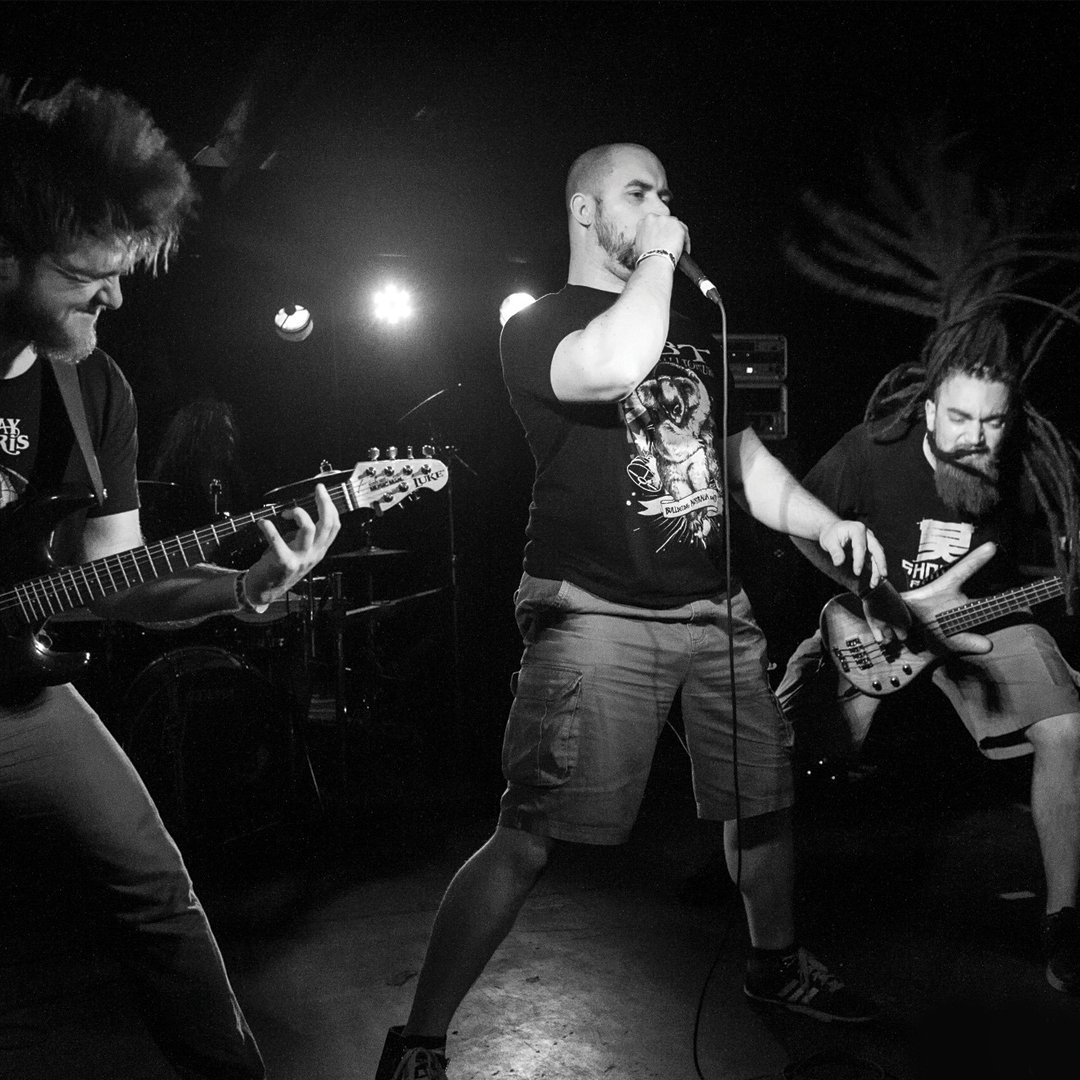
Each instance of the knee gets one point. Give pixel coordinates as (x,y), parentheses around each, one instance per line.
(1058,736)
(150,883)
(526,855)
(763,829)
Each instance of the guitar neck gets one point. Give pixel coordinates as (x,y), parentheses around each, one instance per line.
(976,612)
(73,587)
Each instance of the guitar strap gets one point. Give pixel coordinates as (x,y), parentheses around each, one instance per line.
(67,378)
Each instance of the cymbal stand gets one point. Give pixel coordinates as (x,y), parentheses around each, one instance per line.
(455,640)
(450,454)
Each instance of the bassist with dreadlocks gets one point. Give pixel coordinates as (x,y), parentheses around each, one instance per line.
(934,470)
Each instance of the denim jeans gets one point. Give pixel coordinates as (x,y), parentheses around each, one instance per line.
(62,773)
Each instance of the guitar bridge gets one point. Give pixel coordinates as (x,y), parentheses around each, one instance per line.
(858,655)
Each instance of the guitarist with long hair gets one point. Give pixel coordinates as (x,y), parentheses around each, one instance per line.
(89,190)
(934,471)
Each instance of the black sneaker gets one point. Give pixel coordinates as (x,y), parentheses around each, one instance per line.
(401,1062)
(1061,946)
(421,1064)
(802,984)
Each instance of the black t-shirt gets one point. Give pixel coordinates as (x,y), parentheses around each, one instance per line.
(627,500)
(890,487)
(37,444)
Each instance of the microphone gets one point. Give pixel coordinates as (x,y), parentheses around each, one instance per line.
(697,276)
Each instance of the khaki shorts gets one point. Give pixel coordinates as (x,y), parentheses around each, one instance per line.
(596,684)
(998,695)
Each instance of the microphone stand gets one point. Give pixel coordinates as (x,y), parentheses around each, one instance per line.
(450,455)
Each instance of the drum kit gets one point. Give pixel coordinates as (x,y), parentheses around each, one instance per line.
(217,717)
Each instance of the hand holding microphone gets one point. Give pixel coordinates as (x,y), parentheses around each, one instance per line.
(661,235)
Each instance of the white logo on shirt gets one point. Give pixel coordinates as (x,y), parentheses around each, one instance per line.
(11,442)
(940,543)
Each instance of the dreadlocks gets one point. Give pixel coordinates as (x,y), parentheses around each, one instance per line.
(84,163)
(941,246)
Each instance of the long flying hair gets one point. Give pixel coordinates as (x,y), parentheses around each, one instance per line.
(88,162)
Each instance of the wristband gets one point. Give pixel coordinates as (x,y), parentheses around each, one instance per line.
(657,251)
(241,596)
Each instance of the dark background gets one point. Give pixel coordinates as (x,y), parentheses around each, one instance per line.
(427,144)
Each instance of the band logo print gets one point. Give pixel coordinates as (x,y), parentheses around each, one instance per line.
(669,421)
(940,544)
(12,442)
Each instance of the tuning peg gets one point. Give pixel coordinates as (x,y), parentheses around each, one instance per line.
(325,467)
(428,451)
(391,453)
(409,452)
(373,453)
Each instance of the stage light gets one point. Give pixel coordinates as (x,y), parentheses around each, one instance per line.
(392,305)
(294,323)
(513,304)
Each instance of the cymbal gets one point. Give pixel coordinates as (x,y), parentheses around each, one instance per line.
(299,488)
(380,605)
(366,553)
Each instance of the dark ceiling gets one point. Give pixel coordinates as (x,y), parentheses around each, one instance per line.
(431,141)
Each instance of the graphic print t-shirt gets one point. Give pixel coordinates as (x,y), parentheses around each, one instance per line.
(627,500)
(890,487)
(37,444)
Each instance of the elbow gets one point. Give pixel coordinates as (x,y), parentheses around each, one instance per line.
(592,387)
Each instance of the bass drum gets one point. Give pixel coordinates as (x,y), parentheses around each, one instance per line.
(215,743)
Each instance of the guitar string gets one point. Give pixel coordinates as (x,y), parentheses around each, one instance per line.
(968,615)
(50,593)
(954,620)
(46,590)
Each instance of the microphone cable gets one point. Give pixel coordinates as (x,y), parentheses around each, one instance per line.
(710,292)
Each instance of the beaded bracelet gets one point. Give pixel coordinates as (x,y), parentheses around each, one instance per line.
(657,251)
(242,601)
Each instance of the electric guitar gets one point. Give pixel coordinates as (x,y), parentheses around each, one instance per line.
(943,618)
(26,659)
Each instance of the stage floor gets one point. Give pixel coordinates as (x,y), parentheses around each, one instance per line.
(920,884)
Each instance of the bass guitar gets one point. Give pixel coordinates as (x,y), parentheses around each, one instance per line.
(26,659)
(943,619)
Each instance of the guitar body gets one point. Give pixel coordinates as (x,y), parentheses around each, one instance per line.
(942,621)
(26,531)
(873,667)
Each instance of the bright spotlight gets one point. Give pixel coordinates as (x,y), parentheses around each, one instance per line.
(392,305)
(294,323)
(513,304)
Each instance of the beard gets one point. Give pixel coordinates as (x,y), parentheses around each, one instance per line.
(25,319)
(966,480)
(617,247)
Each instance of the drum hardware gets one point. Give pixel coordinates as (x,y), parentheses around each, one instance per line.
(218,746)
(382,605)
(326,475)
(366,553)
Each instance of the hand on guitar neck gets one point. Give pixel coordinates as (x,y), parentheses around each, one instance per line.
(943,593)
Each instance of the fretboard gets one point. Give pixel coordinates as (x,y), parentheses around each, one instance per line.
(75,586)
(976,612)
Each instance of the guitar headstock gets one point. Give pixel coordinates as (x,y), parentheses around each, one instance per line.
(381,484)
